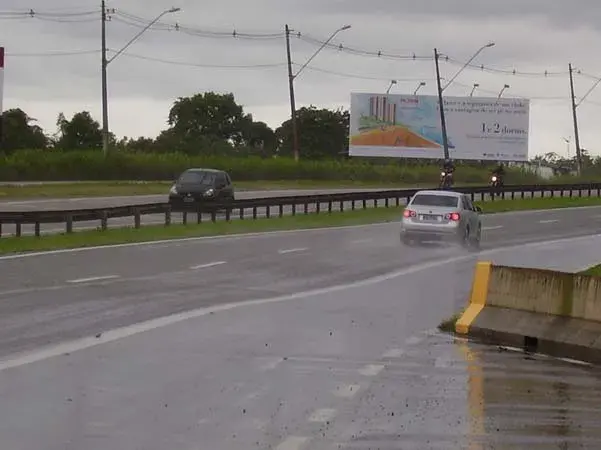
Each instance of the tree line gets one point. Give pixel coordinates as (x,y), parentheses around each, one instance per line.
(204,124)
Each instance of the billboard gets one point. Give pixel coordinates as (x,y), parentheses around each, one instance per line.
(408,126)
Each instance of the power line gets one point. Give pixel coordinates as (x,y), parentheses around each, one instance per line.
(54,53)
(359,77)
(214,66)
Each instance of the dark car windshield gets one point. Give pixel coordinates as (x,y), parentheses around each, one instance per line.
(197,178)
(435,200)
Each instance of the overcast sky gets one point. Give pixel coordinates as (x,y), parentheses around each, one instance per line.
(531,36)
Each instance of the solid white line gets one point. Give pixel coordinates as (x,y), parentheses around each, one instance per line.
(292,250)
(293,443)
(371,370)
(322,415)
(99,278)
(347,391)
(393,353)
(548,221)
(211,264)
(132,330)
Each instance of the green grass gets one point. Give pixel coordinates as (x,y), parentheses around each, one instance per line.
(335,219)
(594,271)
(130,188)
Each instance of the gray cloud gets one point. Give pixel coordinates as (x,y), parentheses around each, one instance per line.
(537,35)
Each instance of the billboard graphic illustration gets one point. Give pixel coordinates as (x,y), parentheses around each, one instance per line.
(408,126)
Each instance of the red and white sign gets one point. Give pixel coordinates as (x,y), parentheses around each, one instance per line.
(1,77)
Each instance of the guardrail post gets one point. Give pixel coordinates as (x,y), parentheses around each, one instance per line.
(213,215)
(137,218)
(318,207)
(198,215)
(294,209)
(69,223)
(579,192)
(185,218)
(168,216)
(281,210)
(254,213)
(375,202)
(0,229)
(306,208)
(268,211)
(37,229)
(18,229)
(386,202)
(398,200)
(241,213)
(228,214)
(341,206)
(104,221)
(353,204)
(364,204)
(329,206)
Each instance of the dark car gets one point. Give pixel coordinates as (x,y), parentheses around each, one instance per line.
(201,186)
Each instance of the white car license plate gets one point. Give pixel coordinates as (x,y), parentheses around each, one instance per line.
(188,199)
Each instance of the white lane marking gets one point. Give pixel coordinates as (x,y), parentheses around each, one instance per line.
(292,250)
(371,370)
(211,264)
(293,443)
(548,221)
(271,363)
(239,236)
(99,278)
(393,353)
(362,241)
(161,322)
(414,340)
(497,227)
(322,415)
(346,391)
(442,361)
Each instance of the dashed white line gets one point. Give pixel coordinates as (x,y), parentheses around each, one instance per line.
(271,363)
(322,415)
(548,221)
(361,241)
(211,264)
(393,353)
(495,227)
(371,370)
(347,391)
(414,340)
(99,278)
(292,443)
(292,250)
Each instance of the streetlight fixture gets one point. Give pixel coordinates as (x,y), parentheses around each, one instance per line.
(422,83)
(503,90)
(392,83)
(443,124)
(106,61)
(292,77)
(476,85)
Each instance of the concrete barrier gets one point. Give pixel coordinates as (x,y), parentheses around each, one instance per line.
(546,311)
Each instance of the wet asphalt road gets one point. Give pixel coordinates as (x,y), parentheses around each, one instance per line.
(350,368)
(157,219)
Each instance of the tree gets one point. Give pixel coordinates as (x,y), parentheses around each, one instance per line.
(259,138)
(322,133)
(18,133)
(82,132)
(204,119)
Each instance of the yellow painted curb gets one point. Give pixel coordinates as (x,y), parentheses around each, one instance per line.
(477,297)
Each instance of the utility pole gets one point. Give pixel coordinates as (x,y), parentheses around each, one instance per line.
(292,100)
(575,118)
(105,108)
(443,123)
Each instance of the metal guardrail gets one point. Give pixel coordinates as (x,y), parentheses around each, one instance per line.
(341,200)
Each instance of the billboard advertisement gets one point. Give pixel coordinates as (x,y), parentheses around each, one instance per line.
(408,126)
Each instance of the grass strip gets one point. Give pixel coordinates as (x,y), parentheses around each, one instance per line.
(594,271)
(148,233)
(130,188)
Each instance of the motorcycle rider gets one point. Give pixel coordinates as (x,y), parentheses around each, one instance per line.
(448,168)
(499,172)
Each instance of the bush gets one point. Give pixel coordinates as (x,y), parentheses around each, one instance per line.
(52,165)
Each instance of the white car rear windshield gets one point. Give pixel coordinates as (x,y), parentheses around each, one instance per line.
(446,201)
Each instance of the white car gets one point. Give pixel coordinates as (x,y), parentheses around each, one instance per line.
(441,215)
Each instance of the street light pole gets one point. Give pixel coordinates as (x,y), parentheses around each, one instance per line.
(503,90)
(106,62)
(392,83)
(443,124)
(476,85)
(292,77)
(422,83)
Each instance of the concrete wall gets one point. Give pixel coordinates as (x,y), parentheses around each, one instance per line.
(545,291)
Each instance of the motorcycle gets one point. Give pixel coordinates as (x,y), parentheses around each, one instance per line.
(446,179)
(496,181)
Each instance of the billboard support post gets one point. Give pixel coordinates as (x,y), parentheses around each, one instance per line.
(443,122)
